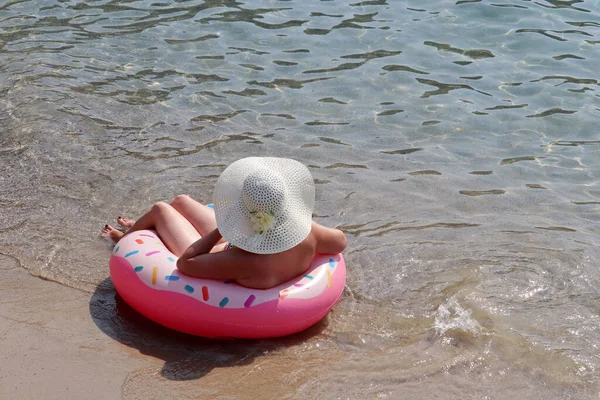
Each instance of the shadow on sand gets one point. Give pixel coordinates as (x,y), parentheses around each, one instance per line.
(186,357)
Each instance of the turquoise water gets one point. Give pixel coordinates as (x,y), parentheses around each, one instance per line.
(456,144)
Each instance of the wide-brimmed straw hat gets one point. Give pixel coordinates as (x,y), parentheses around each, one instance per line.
(264,205)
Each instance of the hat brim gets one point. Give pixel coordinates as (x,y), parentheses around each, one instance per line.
(290,226)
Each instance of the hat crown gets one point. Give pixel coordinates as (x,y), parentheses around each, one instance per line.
(264,190)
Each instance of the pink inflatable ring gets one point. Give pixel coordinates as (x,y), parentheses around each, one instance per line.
(144,273)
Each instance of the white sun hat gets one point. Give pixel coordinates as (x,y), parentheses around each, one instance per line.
(264,205)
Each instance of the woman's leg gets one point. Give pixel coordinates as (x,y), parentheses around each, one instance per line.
(173,228)
(199,215)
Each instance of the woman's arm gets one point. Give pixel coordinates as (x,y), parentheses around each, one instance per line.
(202,246)
(197,260)
(329,240)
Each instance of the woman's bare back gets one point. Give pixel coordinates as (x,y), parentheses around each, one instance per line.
(274,269)
(263,271)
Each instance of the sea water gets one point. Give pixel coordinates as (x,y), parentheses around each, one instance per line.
(455,143)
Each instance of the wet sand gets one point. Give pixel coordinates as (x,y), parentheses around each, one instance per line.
(51,348)
(65,343)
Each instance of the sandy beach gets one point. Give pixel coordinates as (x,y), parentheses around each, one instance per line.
(51,348)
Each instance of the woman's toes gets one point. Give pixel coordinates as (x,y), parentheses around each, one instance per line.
(106,230)
(125,222)
(111,233)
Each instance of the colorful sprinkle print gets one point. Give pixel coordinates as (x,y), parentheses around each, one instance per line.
(179,282)
(249,301)
(131,253)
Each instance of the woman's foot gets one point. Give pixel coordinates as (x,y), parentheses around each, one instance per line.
(111,233)
(125,222)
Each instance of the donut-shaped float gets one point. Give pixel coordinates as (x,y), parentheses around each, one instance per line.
(145,275)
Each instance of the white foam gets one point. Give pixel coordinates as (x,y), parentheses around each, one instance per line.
(451,316)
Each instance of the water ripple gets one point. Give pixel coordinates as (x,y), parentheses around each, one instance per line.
(445,88)
(551,112)
(474,54)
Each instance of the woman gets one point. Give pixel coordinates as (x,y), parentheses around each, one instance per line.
(260,233)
